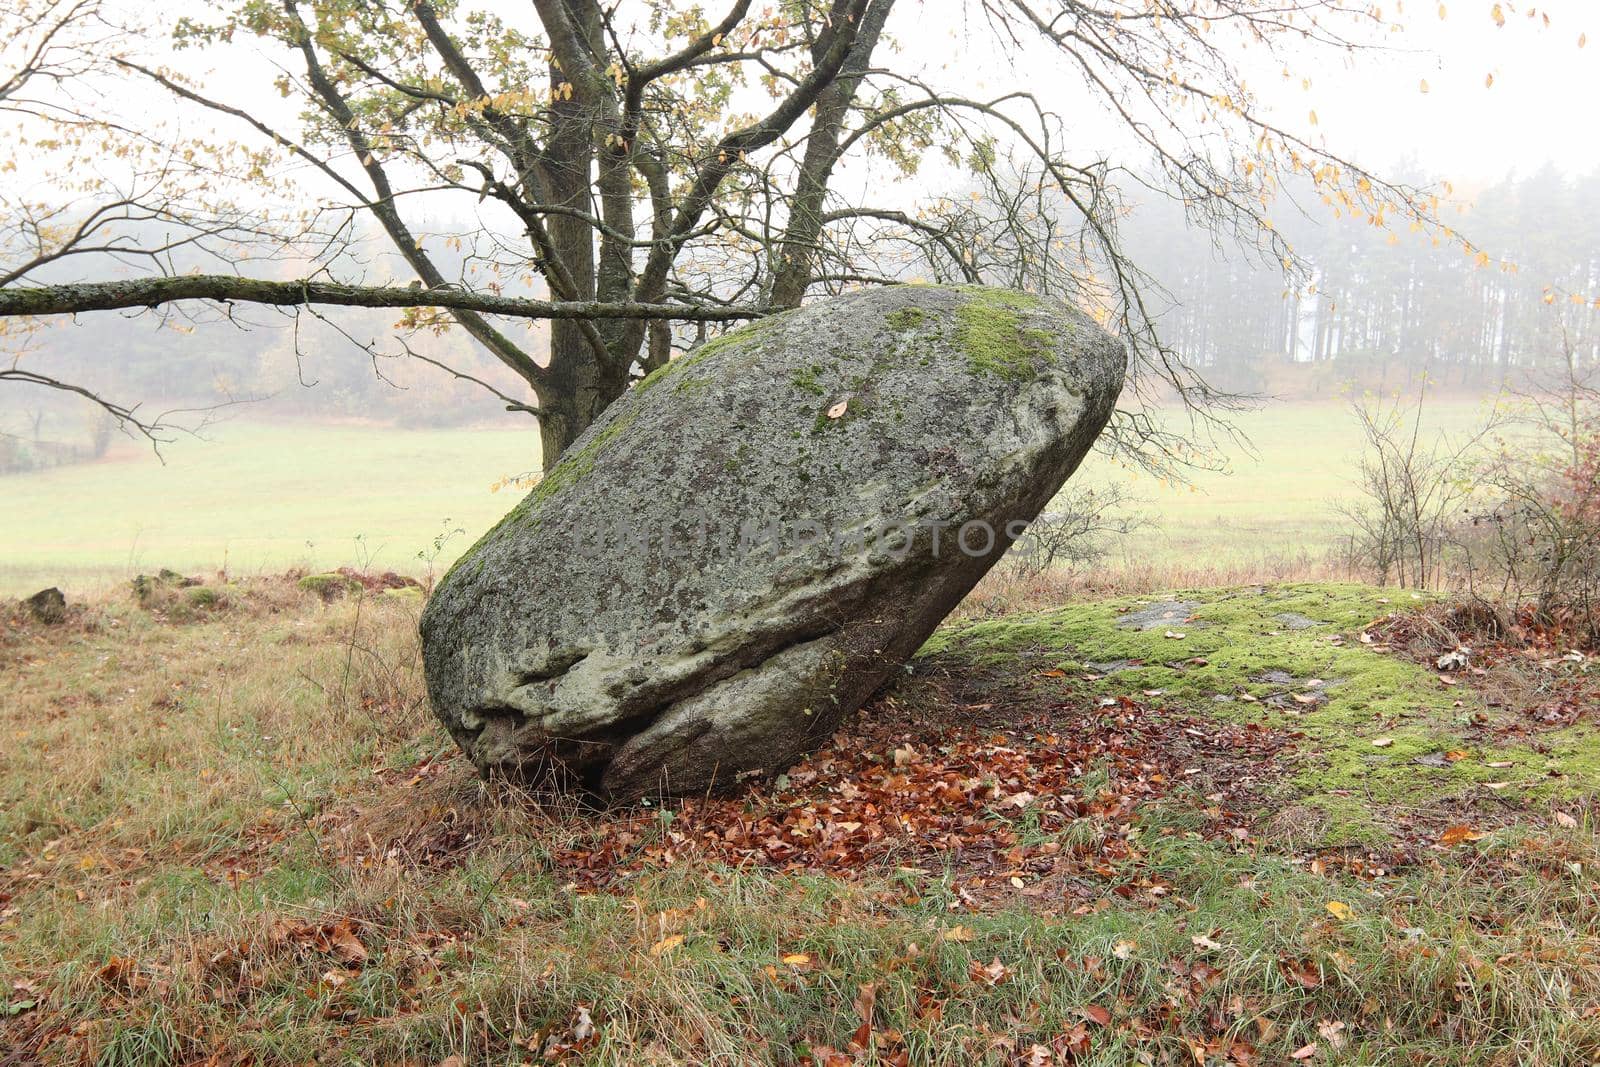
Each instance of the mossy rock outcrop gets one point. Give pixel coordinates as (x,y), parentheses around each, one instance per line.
(739,552)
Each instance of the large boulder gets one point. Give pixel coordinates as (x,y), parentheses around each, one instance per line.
(754,539)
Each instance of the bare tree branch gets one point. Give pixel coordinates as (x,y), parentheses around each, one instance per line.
(78,297)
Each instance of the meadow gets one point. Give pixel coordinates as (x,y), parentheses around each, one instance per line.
(1257,824)
(231,833)
(261,497)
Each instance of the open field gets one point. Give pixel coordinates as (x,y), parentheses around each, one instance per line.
(263,497)
(230,833)
(1271,504)
(260,497)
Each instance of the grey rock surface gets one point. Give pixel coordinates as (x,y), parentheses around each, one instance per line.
(1161,615)
(754,539)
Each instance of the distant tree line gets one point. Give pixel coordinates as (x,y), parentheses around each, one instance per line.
(1382,305)
(1377,307)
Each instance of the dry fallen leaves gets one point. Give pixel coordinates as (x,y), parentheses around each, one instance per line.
(1456,835)
(866,1000)
(905,790)
(988,974)
(121,972)
(561,1044)
(1303,973)
(344,945)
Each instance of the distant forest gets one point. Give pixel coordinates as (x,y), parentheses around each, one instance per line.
(1384,308)
(1379,310)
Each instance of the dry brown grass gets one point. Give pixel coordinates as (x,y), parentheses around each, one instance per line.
(237,837)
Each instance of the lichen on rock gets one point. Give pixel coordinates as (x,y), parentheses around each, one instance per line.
(713,578)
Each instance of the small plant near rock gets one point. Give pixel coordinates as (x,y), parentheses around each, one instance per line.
(204,597)
(174,597)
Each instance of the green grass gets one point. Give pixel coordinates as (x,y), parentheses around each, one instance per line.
(1271,499)
(189,809)
(259,497)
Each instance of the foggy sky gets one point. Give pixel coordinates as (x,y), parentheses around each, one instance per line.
(1540,108)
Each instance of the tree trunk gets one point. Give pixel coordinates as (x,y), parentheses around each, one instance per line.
(568,162)
(581,386)
(798,253)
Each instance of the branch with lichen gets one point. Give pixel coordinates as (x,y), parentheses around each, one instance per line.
(71,298)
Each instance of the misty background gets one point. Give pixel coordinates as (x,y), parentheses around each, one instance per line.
(1489,116)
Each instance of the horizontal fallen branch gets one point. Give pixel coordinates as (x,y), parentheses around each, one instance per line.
(72,298)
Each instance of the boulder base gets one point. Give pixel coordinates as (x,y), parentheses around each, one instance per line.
(754,539)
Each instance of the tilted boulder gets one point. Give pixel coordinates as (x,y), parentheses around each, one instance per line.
(754,539)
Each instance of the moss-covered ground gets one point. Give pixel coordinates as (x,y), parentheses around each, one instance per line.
(1382,743)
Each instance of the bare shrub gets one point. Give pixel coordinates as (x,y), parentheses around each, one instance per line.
(1509,514)
(102,428)
(1533,538)
(1413,486)
(1080,528)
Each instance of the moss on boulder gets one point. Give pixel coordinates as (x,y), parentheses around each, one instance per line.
(995,336)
